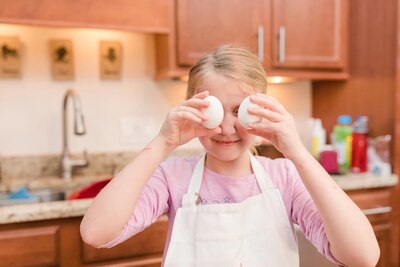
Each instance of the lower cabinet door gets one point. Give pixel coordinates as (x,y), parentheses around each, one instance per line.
(147,244)
(37,246)
(382,233)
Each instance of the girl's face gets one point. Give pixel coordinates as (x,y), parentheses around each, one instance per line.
(234,141)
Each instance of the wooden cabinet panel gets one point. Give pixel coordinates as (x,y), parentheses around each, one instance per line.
(378,205)
(310,34)
(149,242)
(316,35)
(383,235)
(204,25)
(153,262)
(37,246)
(141,15)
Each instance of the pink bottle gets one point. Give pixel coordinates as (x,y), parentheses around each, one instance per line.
(360,145)
(328,159)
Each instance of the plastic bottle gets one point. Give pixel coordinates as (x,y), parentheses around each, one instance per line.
(342,140)
(360,145)
(318,138)
(328,159)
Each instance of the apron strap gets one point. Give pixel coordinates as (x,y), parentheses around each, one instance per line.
(262,177)
(192,197)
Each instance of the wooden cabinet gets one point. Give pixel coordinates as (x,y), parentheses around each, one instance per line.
(204,25)
(314,45)
(310,34)
(373,88)
(30,247)
(138,15)
(58,243)
(380,208)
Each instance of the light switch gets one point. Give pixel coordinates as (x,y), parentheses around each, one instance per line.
(136,131)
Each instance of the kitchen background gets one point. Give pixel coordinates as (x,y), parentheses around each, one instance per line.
(341,57)
(119,114)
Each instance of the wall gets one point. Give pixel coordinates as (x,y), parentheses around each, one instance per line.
(120,115)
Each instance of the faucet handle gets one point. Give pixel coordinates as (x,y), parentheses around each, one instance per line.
(82,162)
(85,158)
(85,155)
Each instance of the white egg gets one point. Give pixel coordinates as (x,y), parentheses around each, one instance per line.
(214,113)
(243,115)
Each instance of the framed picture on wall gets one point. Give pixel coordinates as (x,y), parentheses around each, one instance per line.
(110,60)
(10,57)
(62,59)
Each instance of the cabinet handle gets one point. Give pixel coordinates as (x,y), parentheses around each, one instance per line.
(260,39)
(374,211)
(282,44)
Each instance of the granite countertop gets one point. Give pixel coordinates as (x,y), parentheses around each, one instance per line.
(364,181)
(76,208)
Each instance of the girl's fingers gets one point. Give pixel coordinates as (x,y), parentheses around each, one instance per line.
(192,110)
(265,126)
(188,116)
(266,114)
(268,102)
(196,103)
(201,95)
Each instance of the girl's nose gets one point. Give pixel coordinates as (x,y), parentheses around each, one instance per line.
(228,124)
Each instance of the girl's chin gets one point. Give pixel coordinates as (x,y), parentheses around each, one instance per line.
(227,155)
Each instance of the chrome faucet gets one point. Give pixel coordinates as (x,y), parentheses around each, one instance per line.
(79,129)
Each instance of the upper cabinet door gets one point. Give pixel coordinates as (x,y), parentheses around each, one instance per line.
(310,34)
(204,25)
(138,15)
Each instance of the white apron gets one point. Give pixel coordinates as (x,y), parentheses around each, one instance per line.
(253,233)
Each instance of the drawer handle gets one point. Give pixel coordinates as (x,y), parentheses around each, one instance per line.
(282,44)
(374,211)
(260,39)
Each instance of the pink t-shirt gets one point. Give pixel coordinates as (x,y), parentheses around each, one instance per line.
(164,191)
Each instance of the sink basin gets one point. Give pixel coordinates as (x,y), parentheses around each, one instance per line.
(45,195)
(47,190)
(39,195)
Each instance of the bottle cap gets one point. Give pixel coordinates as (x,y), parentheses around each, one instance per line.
(361,124)
(344,119)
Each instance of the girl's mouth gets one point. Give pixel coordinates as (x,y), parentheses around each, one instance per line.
(226,142)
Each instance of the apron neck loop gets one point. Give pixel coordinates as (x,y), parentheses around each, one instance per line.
(192,197)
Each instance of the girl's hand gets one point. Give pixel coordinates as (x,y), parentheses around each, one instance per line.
(183,123)
(277,125)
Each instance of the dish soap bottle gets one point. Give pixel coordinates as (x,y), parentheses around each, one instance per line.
(342,140)
(318,138)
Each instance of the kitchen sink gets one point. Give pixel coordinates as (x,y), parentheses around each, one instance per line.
(37,195)
(47,190)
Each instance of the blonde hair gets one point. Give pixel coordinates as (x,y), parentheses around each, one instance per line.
(232,62)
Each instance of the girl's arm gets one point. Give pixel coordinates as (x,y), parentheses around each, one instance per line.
(113,206)
(351,237)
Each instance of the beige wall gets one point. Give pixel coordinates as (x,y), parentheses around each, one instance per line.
(120,115)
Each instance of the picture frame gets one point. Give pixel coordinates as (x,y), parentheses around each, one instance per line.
(110,60)
(62,59)
(10,57)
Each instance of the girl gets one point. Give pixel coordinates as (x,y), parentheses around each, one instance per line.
(226,207)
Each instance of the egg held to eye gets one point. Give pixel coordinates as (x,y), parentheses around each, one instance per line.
(214,113)
(243,115)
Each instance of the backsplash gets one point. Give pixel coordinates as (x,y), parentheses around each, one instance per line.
(120,115)
(19,170)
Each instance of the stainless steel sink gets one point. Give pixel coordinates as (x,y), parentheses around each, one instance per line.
(45,195)
(38,195)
